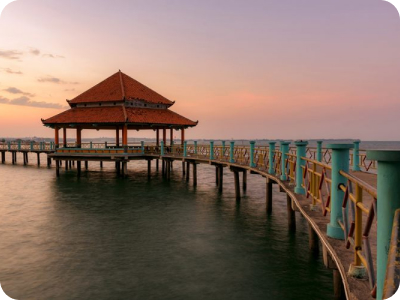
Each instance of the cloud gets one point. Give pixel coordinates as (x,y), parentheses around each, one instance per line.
(69,90)
(53,55)
(10,54)
(25,101)
(4,100)
(55,80)
(14,90)
(9,71)
(34,51)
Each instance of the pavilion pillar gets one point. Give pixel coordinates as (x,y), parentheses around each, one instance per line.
(65,137)
(164,131)
(171,137)
(157,146)
(125,137)
(117,137)
(78,137)
(182,144)
(56,137)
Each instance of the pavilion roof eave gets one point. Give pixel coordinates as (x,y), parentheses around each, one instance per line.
(110,125)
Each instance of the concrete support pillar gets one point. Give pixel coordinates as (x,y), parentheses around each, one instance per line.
(388,188)
(284,151)
(252,144)
(237,184)
(319,151)
(101,164)
(38,159)
(271,153)
(194,167)
(291,214)
(48,162)
(220,177)
(338,287)
(356,158)
(340,162)
(211,150)
(300,152)
(78,167)
(187,171)
(86,165)
(268,195)
(149,168)
(244,180)
(231,152)
(57,168)
(3,157)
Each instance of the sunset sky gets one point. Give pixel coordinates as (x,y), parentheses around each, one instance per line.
(245,69)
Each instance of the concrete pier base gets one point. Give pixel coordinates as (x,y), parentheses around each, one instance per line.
(268,196)
(291,214)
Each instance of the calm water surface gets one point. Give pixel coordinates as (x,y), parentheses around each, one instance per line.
(103,237)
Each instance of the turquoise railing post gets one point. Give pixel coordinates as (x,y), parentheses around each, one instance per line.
(41,146)
(284,151)
(356,157)
(340,162)
(9,145)
(184,149)
(105,145)
(211,150)
(195,147)
(231,153)
(142,146)
(252,164)
(300,152)
(319,151)
(388,190)
(31,146)
(19,145)
(91,145)
(162,148)
(223,150)
(271,153)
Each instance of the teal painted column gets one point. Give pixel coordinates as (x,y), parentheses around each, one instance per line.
(91,145)
(105,145)
(271,169)
(162,148)
(223,149)
(195,147)
(340,162)
(142,146)
(300,152)
(388,188)
(211,150)
(9,145)
(31,146)
(231,150)
(284,151)
(319,151)
(19,145)
(356,158)
(252,164)
(184,149)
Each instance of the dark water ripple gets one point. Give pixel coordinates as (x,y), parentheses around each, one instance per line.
(103,237)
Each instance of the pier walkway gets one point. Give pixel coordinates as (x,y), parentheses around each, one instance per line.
(338,188)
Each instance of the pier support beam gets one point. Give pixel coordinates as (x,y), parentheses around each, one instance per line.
(57,168)
(78,167)
(48,162)
(187,171)
(38,159)
(291,214)
(3,157)
(237,183)
(148,168)
(194,167)
(101,164)
(86,165)
(338,288)
(220,177)
(244,180)
(268,196)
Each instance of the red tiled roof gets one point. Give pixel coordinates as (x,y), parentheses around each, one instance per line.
(116,114)
(119,87)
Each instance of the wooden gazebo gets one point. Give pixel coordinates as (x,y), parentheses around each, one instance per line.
(119,103)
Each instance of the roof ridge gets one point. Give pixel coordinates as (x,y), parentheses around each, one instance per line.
(122,85)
